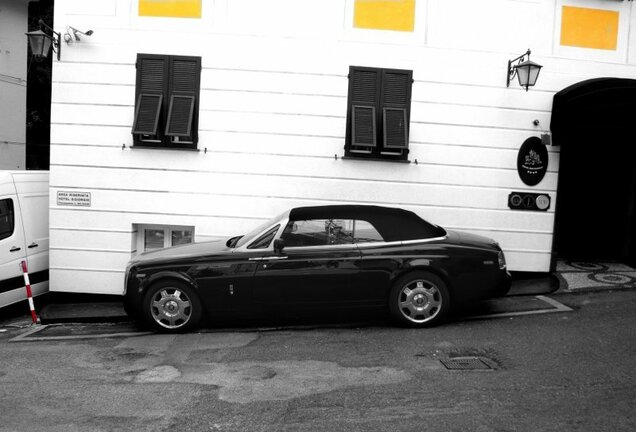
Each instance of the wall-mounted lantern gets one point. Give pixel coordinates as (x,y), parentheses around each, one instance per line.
(526,71)
(40,42)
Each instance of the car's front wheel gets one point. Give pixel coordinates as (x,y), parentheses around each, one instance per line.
(172,307)
(419,299)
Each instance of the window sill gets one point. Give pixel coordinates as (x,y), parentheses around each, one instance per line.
(164,148)
(403,161)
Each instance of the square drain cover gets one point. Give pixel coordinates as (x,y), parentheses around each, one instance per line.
(465,363)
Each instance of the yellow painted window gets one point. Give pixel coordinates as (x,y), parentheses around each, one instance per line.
(589,28)
(396,15)
(170,8)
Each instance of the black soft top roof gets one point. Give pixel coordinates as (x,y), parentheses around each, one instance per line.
(393,224)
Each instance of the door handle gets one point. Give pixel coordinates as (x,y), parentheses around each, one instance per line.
(14,249)
(273,258)
(33,245)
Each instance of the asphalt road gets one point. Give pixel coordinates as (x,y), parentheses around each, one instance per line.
(569,371)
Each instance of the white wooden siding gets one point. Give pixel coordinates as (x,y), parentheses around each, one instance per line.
(272,127)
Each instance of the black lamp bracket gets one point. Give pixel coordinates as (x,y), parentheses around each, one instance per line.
(512,70)
(55,38)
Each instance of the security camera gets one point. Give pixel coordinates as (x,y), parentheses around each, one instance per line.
(68,38)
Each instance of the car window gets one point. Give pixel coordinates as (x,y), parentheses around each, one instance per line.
(318,232)
(6,218)
(364,232)
(263,241)
(249,236)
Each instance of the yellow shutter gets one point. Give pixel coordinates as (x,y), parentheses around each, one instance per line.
(396,15)
(170,8)
(589,28)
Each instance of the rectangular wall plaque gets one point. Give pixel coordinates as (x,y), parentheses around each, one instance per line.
(76,199)
(528,201)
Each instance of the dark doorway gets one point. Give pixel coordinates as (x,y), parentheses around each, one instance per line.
(38,118)
(594,122)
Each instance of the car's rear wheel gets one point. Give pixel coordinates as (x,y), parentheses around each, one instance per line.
(419,299)
(171,306)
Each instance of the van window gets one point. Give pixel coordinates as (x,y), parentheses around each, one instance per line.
(6,218)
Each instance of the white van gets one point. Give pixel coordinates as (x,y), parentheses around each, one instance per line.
(24,233)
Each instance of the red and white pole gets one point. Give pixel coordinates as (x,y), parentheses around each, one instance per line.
(27,284)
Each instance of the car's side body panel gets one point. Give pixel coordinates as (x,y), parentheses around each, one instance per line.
(380,265)
(302,278)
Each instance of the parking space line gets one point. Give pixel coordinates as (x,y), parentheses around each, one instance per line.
(27,336)
(557,307)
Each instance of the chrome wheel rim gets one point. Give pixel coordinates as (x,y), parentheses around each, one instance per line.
(420,301)
(171,308)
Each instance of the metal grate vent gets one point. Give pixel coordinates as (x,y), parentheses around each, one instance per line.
(465,363)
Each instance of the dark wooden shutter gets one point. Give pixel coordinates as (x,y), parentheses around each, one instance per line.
(147,114)
(184,94)
(150,89)
(395,128)
(396,105)
(363,126)
(180,116)
(364,96)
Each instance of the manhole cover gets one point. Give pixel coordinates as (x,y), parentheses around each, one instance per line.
(465,363)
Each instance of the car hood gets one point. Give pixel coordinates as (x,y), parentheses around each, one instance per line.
(474,240)
(191,250)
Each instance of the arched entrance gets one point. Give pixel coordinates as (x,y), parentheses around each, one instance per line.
(594,122)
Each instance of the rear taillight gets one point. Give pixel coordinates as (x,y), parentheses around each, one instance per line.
(502,260)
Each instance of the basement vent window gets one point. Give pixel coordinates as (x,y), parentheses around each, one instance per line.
(153,237)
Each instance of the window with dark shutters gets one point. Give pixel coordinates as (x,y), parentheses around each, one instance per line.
(379,105)
(167,95)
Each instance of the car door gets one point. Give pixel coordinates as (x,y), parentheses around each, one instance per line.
(12,251)
(226,281)
(35,219)
(316,268)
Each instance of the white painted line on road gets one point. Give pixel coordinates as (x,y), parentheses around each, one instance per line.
(34,329)
(26,337)
(558,307)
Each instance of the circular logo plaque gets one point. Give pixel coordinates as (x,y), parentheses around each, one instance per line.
(542,202)
(532,161)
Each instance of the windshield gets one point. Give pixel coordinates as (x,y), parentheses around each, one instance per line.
(256,231)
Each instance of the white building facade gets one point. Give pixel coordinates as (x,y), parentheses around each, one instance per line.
(179,121)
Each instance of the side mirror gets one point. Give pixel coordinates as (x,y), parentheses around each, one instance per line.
(278,246)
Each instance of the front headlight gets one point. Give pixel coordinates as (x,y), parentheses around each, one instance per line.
(502,260)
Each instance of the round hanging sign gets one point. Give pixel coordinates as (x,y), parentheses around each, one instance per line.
(532,161)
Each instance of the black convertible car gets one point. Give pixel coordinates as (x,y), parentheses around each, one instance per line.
(318,258)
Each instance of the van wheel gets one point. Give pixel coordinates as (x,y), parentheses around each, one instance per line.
(419,299)
(172,307)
